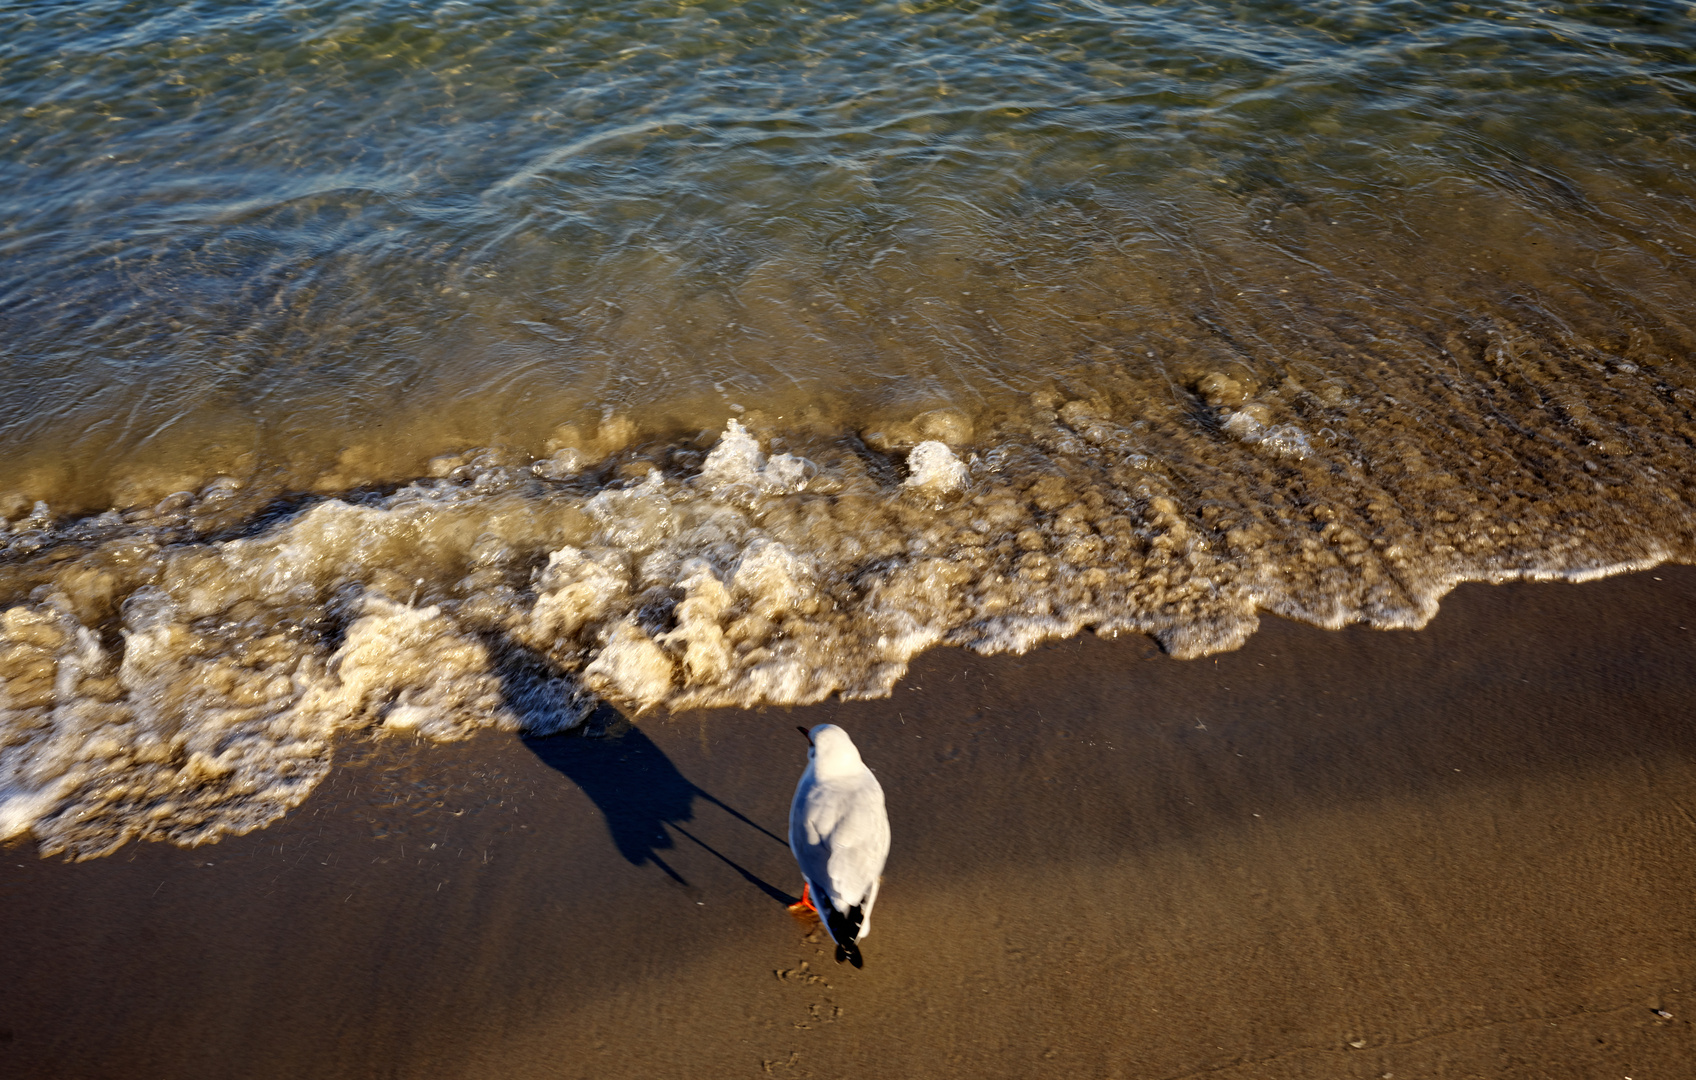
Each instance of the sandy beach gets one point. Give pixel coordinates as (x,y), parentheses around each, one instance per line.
(450,448)
(1467,851)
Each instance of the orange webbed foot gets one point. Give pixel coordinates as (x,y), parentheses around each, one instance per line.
(803,908)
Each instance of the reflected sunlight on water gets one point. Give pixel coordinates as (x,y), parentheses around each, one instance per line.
(447,365)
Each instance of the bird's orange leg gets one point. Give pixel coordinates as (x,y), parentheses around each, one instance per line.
(804,908)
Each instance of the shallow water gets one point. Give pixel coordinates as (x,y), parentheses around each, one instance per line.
(439,366)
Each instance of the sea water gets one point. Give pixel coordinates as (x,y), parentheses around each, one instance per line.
(424,367)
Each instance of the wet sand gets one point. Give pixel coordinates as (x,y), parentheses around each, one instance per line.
(1467,851)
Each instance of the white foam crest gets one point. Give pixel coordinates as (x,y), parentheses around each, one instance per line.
(577,589)
(193,734)
(1280,440)
(631,667)
(184,738)
(564,462)
(735,459)
(490,596)
(416,671)
(700,631)
(738,460)
(43,728)
(771,579)
(933,467)
(635,519)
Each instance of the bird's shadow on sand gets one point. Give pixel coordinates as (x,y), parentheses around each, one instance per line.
(642,795)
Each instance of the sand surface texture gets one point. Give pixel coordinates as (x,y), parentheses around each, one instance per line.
(1467,851)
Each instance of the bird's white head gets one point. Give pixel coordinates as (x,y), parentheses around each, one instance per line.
(833,752)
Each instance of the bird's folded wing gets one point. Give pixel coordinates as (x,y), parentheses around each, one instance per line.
(845,840)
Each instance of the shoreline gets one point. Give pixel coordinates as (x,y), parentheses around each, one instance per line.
(1464,850)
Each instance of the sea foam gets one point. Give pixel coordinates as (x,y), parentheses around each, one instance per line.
(164,683)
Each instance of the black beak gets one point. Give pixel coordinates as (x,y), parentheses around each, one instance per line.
(804,731)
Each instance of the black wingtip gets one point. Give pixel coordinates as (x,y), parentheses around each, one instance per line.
(844,927)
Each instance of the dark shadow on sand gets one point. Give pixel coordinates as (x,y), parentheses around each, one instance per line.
(640,792)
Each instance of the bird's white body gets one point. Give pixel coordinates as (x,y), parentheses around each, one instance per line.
(839,831)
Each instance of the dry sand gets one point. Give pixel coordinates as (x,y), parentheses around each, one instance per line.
(1468,851)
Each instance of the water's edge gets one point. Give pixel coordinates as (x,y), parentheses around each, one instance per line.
(181,671)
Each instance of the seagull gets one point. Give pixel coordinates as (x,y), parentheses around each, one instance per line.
(839,832)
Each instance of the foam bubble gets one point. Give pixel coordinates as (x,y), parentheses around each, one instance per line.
(737,460)
(565,462)
(933,467)
(631,667)
(411,669)
(1282,440)
(700,631)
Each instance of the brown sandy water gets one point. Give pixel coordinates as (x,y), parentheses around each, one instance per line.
(369,368)
(1462,852)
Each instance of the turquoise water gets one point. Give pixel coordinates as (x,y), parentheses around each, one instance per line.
(431,366)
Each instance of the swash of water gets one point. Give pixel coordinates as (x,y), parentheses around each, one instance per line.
(431,366)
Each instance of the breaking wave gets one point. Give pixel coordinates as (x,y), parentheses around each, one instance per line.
(174,675)
(381,368)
